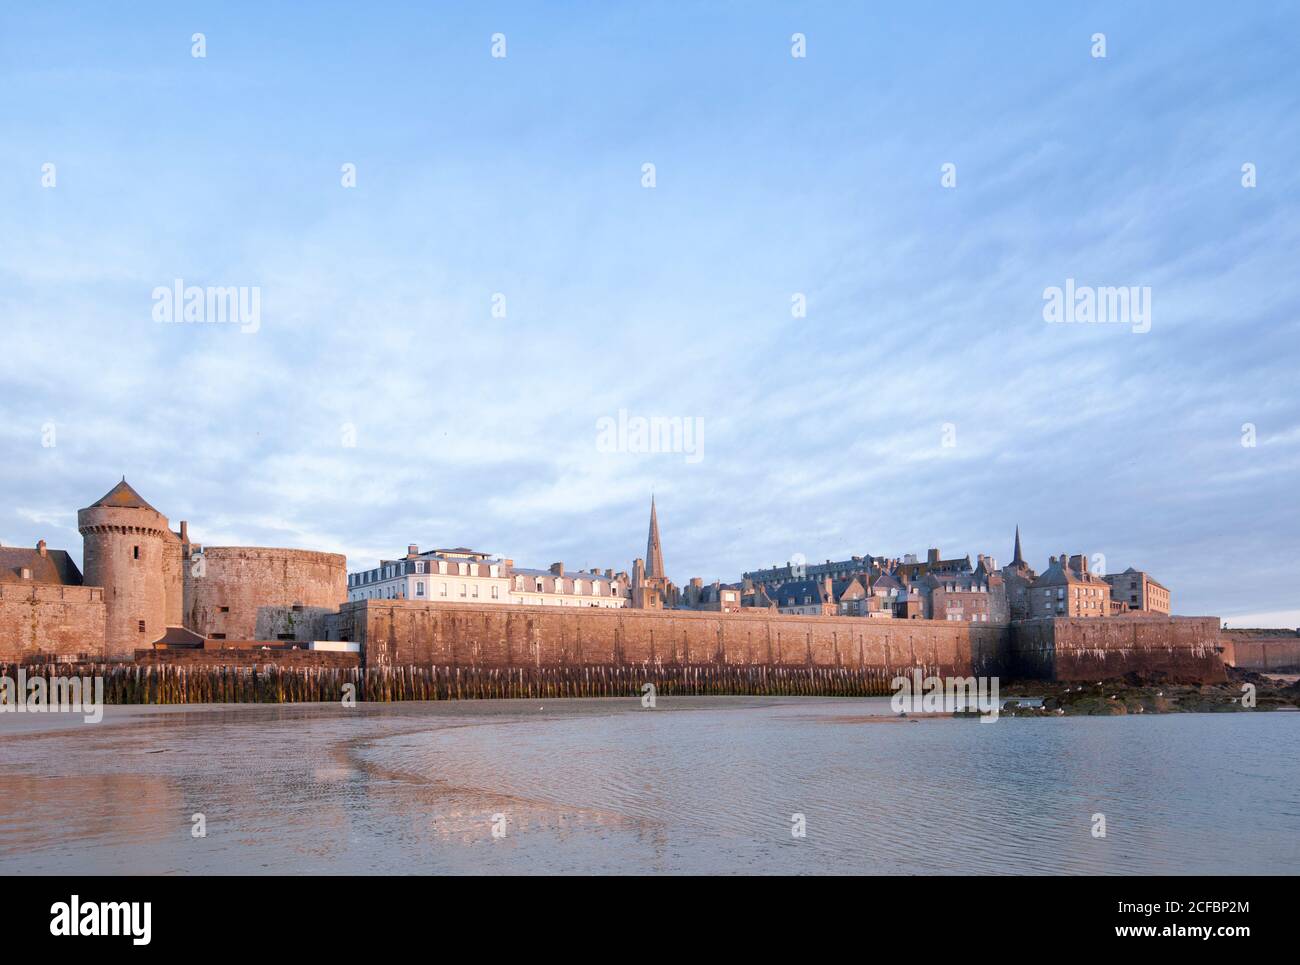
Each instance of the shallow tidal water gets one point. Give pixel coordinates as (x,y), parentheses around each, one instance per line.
(696,785)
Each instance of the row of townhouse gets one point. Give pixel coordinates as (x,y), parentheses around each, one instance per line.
(952,589)
(462,575)
(948,596)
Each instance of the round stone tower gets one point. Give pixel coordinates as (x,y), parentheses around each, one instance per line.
(129,551)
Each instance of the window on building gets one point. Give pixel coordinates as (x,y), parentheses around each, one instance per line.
(494,592)
(462,589)
(419,587)
(137,552)
(444,590)
(419,567)
(141,622)
(475,593)
(217,636)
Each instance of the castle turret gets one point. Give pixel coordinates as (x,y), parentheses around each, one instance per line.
(130,551)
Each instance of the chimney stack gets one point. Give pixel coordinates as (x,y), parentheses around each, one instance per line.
(933,555)
(557,569)
(40,546)
(412,550)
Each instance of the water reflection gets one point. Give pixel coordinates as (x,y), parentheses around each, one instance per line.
(696,785)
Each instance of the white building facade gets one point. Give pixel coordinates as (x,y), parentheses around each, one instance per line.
(463,575)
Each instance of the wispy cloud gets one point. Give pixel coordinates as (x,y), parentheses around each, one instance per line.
(382,402)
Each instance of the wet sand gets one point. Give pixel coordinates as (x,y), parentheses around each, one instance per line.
(695,785)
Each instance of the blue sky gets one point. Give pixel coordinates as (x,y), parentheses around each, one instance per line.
(476,175)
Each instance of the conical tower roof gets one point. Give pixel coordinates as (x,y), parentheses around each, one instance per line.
(654,551)
(122,496)
(1017,560)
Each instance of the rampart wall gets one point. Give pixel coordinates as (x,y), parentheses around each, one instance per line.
(1261,650)
(1092,649)
(260,593)
(399,632)
(50,619)
(405,632)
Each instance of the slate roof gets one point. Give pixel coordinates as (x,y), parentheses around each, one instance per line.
(840,587)
(55,566)
(886,581)
(1060,573)
(793,593)
(568,574)
(122,496)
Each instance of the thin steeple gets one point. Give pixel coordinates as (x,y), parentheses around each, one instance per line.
(654,552)
(1018,560)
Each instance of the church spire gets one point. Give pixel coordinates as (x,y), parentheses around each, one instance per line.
(1018,560)
(654,552)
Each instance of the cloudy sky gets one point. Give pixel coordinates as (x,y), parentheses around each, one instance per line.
(923,400)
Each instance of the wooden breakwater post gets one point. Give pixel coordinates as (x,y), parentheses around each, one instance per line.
(162,683)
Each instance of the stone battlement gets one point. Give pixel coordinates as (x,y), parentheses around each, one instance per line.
(263,593)
(48,618)
(51,592)
(274,553)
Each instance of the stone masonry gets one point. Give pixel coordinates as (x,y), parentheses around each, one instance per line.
(401,632)
(257,593)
